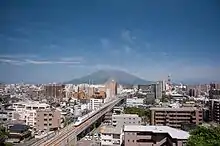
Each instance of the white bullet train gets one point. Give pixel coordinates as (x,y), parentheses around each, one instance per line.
(84,118)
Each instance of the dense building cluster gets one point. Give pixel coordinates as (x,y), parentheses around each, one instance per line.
(160,109)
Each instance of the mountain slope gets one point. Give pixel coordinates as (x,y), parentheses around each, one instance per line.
(102,76)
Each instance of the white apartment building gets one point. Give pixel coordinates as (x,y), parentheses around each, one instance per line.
(125,119)
(111,136)
(96,103)
(134,102)
(27,111)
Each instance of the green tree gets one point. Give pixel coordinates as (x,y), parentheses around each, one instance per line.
(202,136)
(3,134)
(141,112)
(165,98)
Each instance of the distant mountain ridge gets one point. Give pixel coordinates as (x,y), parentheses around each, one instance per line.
(102,76)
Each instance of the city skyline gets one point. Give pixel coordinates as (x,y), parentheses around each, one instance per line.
(54,41)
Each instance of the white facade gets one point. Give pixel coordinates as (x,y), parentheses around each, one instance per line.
(30,118)
(125,119)
(27,111)
(85,106)
(108,93)
(111,136)
(96,103)
(132,102)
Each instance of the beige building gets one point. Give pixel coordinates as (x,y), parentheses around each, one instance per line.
(48,120)
(175,117)
(135,135)
(125,119)
(111,88)
(111,136)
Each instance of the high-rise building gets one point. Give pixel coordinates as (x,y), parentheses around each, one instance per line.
(214,94)
(55,91)
(159,89)
(192,92)
(112,86)
(214,110)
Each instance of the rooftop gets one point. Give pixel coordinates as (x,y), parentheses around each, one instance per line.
(125,115)
(174,133)
(173,109)
(111,130)
(32,103)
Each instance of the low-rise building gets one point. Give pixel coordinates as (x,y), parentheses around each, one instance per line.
(134,102)
(18,133)
(111,136)
(175,117)
(136,135)
(26,111)
(125,119)
(96,103)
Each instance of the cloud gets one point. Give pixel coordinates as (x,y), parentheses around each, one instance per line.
(50,62)
(20,59)
(96,67)
(105,43)
(22,30)
(12,62)
(52,46)
(72,59)
(127,49)
(17,56)
(127,36)
(18,39)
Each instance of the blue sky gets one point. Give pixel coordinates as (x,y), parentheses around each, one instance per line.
(45,41)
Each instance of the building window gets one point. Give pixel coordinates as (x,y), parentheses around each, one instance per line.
(128,140)
(132,140)
(143,140)
(45,114)
(116,136)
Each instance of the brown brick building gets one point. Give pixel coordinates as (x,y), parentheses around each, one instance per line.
(175,117)
(55,91)
(48,120)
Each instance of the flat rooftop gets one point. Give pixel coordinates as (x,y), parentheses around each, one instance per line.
(174,133)
(173,109)
(125,115)
(110,130)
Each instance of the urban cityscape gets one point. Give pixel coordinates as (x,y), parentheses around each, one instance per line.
(95,73)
